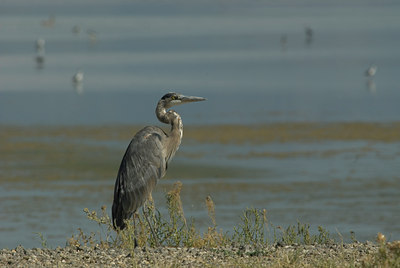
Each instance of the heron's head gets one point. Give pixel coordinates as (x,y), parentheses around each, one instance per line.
(173,99)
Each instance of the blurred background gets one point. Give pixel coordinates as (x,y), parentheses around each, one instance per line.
(302,116)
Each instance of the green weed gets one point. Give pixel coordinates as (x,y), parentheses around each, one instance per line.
(252,229)
(300,234)
(43,240)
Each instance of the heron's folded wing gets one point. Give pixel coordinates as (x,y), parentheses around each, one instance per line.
(141,167)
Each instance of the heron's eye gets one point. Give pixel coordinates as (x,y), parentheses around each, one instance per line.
(173,98)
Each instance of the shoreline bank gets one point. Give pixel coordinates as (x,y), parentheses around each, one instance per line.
(321,255)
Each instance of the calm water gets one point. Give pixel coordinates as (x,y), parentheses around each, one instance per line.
(230,52)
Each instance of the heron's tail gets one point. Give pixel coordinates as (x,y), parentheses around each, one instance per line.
(118,217)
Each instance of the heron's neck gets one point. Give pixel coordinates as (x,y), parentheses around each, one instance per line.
(172,118)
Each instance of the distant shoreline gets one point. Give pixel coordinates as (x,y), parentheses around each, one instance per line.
(226,133)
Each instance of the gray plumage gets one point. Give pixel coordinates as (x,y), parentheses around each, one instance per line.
(146,159)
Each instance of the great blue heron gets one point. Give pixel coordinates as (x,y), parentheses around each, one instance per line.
(146,159)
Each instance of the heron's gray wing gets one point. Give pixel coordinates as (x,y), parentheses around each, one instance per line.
(141,167)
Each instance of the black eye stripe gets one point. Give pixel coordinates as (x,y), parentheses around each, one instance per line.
(166,96)
(169,95)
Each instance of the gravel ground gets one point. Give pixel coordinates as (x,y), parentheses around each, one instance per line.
(242,256)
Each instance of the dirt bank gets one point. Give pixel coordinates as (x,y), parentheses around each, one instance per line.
(356,254)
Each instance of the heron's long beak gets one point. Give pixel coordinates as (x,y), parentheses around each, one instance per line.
(185,99)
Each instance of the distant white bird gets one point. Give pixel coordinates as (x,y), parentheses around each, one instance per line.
(40,43)
(77,81)
(371,71)
(78,77)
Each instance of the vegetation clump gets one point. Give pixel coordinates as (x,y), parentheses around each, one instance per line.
(254,237)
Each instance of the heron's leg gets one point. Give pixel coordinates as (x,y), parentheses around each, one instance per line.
(151,227)
(135,242)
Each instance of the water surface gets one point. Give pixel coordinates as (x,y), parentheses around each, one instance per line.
(49,174)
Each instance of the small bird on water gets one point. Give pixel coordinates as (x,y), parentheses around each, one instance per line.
(40,44)
(371,71)
(77,82)
(78,77)
(146,159)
